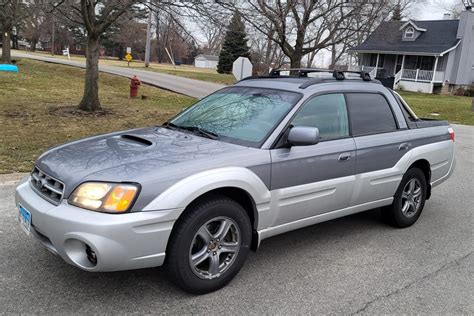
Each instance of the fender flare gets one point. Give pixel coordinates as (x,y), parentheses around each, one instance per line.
(182,193)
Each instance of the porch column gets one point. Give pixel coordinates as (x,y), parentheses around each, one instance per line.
(434,73)
(377,64)
(403,65)
(395,65)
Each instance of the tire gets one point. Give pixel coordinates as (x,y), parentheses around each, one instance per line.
(204,260)
(397,214)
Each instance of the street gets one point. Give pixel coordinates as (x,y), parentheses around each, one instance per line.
(350,265)
(190,87)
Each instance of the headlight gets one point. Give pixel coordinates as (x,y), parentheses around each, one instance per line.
(104,197)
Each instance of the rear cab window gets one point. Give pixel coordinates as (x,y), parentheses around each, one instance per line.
(370,113)
(409,118)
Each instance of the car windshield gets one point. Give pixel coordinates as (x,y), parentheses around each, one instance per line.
(241,115)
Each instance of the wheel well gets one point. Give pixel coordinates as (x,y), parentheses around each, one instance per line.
(244,199)
(424,166)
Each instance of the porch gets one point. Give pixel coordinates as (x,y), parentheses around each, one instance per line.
(418,73)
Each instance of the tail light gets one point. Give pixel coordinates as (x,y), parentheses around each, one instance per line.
(451,133)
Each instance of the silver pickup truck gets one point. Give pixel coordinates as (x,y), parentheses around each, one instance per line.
(253,160)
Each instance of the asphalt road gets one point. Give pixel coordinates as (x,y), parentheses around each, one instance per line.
(351,265)
(190,87)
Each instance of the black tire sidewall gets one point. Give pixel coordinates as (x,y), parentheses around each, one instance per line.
(400,219)
(178,251)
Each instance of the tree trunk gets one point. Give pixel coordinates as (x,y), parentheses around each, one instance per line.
(333,57)
(295,62)
(33,45)
(90,100)
(6,51)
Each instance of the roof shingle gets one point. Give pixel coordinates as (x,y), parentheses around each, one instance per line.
(440,36)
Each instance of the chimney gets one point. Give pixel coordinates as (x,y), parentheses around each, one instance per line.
(447,16)
(466,22)
(465,50)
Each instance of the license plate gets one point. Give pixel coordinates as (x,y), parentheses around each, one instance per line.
(24,217)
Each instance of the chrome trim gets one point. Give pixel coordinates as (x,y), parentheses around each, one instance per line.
(35,177)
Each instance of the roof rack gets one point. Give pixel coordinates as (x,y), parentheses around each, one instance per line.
(337,74)
(303,73)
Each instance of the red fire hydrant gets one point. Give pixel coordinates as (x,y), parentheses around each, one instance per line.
(134,84)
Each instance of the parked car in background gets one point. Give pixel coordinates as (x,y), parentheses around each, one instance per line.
(262,157)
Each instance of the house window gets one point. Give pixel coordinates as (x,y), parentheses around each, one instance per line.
(409,32)
(373,60)
(78,47)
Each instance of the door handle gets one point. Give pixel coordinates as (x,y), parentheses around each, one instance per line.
(403,146)
(344,157)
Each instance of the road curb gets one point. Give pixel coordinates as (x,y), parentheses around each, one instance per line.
(8,179)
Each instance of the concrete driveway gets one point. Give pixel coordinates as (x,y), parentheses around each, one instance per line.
(190,87)
(346,266)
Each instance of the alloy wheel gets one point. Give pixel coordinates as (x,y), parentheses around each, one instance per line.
(214,248)
(411,197)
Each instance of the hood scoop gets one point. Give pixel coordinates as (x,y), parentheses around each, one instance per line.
(135,140)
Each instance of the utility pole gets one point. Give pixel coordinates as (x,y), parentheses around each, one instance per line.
(52,35)
(148,37)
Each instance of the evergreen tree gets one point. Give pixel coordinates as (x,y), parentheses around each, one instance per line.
(397,12)
(234,46)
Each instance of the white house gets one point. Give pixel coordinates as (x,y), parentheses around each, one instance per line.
(206,61)
(424,56)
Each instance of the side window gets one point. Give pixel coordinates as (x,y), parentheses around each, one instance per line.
(326,112)
(370,113)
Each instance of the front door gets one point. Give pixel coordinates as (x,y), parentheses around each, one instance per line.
(310,180)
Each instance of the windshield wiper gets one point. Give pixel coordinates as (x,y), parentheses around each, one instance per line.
(200,131)
(168,124)
(193,129)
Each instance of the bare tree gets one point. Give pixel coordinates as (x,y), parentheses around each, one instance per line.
(302,27)
(95,17)
(11,13)
(33,26)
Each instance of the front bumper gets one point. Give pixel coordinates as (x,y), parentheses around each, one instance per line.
(119,241)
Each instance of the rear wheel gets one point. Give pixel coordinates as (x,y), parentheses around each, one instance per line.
(409,200)
(209,245)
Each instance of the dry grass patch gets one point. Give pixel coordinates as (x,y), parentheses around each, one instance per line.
(38,110)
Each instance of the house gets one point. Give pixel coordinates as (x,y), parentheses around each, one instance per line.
(425,56)
(206,61)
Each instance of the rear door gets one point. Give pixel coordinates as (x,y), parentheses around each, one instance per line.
(310,180)
(380,144)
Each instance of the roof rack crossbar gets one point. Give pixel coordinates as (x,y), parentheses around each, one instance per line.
(338,74)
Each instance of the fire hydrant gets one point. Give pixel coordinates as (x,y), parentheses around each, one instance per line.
(134,84)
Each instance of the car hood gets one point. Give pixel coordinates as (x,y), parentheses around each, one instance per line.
(128,155)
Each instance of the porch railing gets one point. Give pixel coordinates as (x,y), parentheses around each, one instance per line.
(422,75)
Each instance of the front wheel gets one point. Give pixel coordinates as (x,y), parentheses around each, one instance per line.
(209,245)
(409,200)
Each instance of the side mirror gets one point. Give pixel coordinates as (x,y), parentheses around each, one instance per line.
(303,136)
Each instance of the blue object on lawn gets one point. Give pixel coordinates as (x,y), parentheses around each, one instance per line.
(7,67)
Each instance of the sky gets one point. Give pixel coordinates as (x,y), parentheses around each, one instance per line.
(431,9)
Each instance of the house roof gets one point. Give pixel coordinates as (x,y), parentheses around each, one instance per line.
(440,36)
(208,57)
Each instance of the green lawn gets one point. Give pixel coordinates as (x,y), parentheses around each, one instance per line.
(451,108)
(37,110)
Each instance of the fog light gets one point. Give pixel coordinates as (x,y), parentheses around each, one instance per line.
(91,256)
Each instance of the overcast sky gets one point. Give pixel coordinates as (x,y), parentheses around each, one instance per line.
(431,9)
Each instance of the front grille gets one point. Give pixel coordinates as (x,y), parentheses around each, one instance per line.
(47,187)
